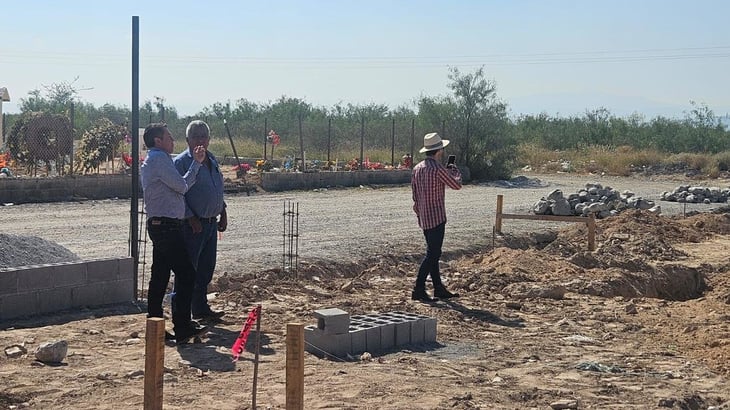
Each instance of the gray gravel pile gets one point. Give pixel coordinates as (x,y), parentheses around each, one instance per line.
(18,250)
(696,194)
(594,199)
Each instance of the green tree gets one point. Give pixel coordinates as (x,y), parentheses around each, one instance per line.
(478,124)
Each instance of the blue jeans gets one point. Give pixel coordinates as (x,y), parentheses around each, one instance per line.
(202,249)
(169,253)
(430,264)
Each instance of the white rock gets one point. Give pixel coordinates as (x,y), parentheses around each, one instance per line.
(52,352)
(15,351)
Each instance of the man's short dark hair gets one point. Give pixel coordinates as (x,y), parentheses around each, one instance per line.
(433,152)
(152,131)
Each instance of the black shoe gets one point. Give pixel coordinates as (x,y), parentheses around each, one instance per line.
(422,296)
(169,336)
(189,332)
(209,314)
(442,293)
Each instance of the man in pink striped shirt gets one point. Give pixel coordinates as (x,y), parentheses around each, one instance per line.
(428,182)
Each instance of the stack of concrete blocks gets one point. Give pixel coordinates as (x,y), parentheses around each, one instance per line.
(339,334)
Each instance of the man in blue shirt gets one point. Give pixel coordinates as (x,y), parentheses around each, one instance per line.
(164,203)
(203,204)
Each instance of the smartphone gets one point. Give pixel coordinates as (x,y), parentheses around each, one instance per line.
(451,161)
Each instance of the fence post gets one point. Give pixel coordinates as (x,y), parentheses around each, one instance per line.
(498,218)
(329,139)
(301,143)
(266,133)
(362,140)
(592,232)
(392,144)
(413,136)
(73,135)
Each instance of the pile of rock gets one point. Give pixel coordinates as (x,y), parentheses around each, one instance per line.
(594,199)
(696,194)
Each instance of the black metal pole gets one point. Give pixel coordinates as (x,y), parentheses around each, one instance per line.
(73,134)
(413,137)
(134,130)
(301,143)
(392,145)
(238,162)
(266,131)
(362,140)
(329,138)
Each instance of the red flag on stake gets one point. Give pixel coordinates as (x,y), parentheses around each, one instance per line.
(240,344)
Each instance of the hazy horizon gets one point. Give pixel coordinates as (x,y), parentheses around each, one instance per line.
(565,57)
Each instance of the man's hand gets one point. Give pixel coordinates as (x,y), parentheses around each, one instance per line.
(199,154)
(223,221)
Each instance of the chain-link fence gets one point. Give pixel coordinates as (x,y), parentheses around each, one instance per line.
(98,141)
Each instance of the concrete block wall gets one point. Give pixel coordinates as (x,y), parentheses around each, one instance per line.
(285,181)
(38,289)
(54,189)
(372,333)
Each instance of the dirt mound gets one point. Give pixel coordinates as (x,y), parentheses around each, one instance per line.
(634,258)
(18,250)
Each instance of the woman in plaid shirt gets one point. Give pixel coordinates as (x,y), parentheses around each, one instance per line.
(429,182)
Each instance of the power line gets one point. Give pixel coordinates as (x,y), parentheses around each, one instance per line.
(577,57)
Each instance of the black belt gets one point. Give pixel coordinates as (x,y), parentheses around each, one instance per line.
(211,220)
(163,220)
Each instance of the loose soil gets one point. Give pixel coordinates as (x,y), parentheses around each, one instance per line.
(641,322)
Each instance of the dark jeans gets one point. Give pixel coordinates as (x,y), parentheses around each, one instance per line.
(201,248)
(430,264)
(169,253)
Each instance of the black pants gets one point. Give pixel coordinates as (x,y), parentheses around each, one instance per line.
(169,253)
(430,264)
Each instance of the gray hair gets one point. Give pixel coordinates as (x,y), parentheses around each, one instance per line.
(197,128)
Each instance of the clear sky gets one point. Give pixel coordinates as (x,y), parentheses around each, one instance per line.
(555,56)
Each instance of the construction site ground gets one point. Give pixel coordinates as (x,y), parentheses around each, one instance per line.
(643,322)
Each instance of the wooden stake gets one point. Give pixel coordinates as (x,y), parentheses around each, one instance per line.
(154,363)
(295,366)
(256,359)
(592,232)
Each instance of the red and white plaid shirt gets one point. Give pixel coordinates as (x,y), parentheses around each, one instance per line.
(428,182)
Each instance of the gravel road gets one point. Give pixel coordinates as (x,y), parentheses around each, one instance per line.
(336,224)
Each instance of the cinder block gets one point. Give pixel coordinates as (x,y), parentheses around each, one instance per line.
(92,294)
(417,331)
(20,304)
(387,334)
(69,274)
(53,300)
(119,291)
(102,270)
(126,268)
(332,321)
(35,277)
(321,344)
(402,331)
(9,282)
(373,339)
(358,339)
(429,329)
